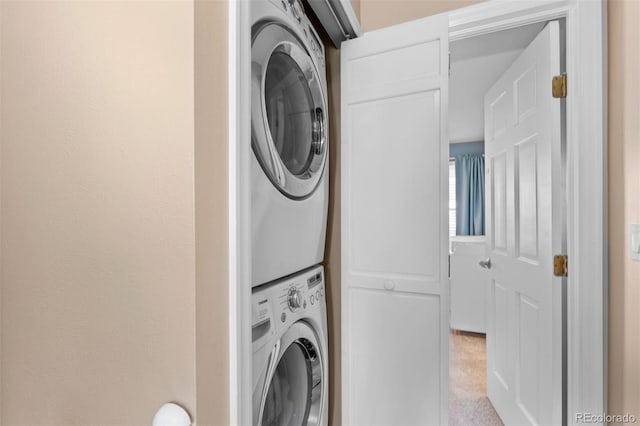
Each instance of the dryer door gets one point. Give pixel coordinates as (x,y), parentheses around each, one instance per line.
(288,112)
(296,391)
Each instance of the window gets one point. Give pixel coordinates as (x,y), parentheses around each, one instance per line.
(452,197)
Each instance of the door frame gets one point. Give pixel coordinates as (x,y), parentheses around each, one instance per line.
(587,284)
(586,156)
(239,211)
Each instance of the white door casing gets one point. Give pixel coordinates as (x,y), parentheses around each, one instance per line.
(525,227)
(395,303)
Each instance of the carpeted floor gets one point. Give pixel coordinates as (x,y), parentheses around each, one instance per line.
(468,402)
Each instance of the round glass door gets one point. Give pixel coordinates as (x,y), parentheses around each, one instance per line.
(288,114)
(295,391)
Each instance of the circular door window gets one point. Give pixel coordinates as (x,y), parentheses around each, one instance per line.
(295,391)
(288,114)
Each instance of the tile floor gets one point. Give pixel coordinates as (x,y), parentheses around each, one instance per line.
(468,402)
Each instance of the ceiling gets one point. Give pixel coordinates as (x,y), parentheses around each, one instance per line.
(493,43)
(476,64)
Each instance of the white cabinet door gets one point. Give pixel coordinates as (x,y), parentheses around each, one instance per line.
(394,225)
(524,211)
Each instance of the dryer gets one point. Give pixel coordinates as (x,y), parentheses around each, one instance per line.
(289,141)
(290,365)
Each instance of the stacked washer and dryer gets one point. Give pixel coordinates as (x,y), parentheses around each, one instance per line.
(289,216)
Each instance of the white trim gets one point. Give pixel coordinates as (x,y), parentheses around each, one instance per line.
(586,178)
(587,203)
(347,6)
(498,15)
(239,57)
(338,19)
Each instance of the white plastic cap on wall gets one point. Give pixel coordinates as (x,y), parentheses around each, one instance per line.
(171,414)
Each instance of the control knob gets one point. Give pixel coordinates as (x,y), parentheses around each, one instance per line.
(294,299)
(296,9)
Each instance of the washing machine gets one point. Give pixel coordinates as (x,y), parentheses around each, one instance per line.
(290,366)
(289,164)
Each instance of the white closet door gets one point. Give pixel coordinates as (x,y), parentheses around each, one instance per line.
(394,225)
(525,225)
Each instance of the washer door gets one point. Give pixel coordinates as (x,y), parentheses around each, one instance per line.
(295,392)
(288,113)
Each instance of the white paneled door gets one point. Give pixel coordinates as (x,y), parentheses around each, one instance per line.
(525,228)
(395,303)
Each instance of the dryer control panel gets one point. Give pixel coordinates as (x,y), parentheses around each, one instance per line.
(295,9)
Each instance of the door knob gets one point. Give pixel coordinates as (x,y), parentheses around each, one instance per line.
(486,264)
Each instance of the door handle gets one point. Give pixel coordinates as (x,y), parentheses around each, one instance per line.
(319,137)
(486,264)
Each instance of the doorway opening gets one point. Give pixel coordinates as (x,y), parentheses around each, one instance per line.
(477,64)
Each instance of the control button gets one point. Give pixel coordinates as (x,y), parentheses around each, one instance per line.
(293,299)
(304,304)
(283,317)
(296,10)
(318,295)
(312,299)
(284,4)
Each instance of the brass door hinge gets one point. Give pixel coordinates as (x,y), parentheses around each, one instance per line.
(559,86)
(560,265)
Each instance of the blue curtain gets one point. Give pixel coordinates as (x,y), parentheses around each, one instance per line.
(470,194)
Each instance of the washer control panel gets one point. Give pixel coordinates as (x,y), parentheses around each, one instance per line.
(301,293)
(284,302)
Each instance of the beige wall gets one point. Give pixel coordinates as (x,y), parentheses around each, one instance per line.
(98,270)
(211,184)
(375,14)
(624,205)
(356,8)
(332,249)
(96,173)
